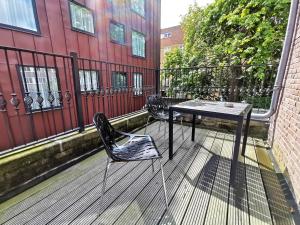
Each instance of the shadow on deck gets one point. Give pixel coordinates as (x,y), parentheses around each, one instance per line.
(197,181)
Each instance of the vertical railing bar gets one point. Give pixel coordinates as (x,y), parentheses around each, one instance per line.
(49,93)
(27,99)
(77,91)
(39,97)
(67,94)
(7,120)
(60,96)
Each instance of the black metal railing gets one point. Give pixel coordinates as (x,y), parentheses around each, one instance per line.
(252,84)
(44,95)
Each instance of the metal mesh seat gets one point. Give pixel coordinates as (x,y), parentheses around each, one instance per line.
(137,148)
(158,109)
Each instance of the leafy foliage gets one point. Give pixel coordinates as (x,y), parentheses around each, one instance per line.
(234,33)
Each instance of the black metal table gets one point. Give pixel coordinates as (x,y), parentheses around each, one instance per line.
(222,110)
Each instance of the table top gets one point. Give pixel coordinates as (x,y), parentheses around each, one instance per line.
(228,108)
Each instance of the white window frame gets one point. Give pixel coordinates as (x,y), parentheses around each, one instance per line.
(141,48)
(110,30)
(89,80)
(76,23)
(134,8)
(30,73)
(26,21)
(137,84)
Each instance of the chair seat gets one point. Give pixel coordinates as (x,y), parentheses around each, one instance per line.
(139,148)
(165,115)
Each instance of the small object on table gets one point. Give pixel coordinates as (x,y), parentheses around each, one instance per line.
(228,104)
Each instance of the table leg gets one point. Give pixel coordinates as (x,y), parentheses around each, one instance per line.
(236,150)
(246,132)
(193,127)
(170,134)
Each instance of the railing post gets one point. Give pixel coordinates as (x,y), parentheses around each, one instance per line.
(78,100)
(157,85)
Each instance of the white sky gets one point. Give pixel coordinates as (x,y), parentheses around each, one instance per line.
(173,10)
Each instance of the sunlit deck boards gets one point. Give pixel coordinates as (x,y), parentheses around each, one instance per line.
(197,182)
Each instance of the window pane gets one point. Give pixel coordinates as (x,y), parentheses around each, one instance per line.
(89,80)
(18,13)
(138,83)
(42,83)
(138,6)
(119,80)
(138,44)
(82,18)
(117,33)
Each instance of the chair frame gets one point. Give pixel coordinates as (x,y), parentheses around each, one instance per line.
(112,159)
(158,109)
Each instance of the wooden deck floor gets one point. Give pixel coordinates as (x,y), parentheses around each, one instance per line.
(197,181)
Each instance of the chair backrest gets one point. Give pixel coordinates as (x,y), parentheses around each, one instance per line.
(155,104)
(106,131)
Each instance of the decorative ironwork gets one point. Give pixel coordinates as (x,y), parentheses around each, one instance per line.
(3,103)
(60,98)
(40,100)
(15,101)
(50,98)
(28,100)
(68,96)
(92,93)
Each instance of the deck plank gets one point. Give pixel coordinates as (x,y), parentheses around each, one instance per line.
(278,205)
(155,210)
(132,209)
(259,212)
(86,209)
(238,211)
(186,189)
(218,203)
(196,211)
(197,182)
(67,193)
(58,183)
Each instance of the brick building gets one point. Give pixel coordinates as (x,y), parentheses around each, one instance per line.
(171,37)
(284,132)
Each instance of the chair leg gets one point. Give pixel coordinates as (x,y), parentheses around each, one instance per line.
(104,183)
(164,184)
(147,124)
(182,133)
(152,166)
(165,132)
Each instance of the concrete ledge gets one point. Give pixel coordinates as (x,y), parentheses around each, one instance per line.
(30,165)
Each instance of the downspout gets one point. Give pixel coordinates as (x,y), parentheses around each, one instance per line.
(282,64)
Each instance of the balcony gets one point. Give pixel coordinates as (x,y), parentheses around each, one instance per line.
(197,181)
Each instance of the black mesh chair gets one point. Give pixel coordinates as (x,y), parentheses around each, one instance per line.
(137,148)
(158,109)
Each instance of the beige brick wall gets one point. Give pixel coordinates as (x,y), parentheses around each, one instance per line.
(284,132)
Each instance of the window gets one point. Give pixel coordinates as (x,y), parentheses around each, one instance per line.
(81,18)
(89,80)
(119,80)
(117,32)
(165,35)
(138,44)
(45,85)
(138,83)
(19,14)
(138,6)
